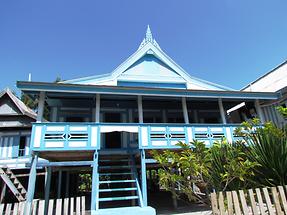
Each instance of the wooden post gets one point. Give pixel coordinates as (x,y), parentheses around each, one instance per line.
(95,184)
(185,111)
(47,188)
(41,105)
(259,111)
(140,109)
(222,111)
(67,184)
(143,177)
(31,185)
(54,114)
(98,106)
(59,184)
(3,192)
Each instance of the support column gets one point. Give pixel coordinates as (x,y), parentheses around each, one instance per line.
(140,109)
(59,184)
(67,184)
(184,109)
(222,111)
(47,188)
(3,192)
(98,106)
(143,177)
(164,119)
(41,105)
(259,111)
(31,185)
(54,114)
(95,185)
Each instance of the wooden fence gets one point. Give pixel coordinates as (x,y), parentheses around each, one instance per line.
(258,201)
(72,206)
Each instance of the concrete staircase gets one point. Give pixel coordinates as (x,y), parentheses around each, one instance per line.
(13,183)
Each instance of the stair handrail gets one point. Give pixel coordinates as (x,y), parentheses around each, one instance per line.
(137,181)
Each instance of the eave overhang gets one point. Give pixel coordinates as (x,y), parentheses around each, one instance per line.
(36,87)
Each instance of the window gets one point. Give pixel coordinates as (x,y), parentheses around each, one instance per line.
(22,146)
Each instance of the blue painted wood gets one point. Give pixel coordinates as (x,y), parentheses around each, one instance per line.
(31,185)
(166,137)
(143,178)
(120,198)
(15,147)
(95,184)
(88,89)
(152,85)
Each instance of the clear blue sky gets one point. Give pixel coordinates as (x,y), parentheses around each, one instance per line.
(228,42)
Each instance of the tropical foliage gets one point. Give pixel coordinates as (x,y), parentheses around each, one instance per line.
(195,170)
(259,159)
(267,146)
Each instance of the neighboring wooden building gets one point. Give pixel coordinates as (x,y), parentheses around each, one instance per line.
(107,124)
(273,81)
(15,130)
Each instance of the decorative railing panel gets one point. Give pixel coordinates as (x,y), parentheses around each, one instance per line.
(60,136)
(157,136)
(86,136)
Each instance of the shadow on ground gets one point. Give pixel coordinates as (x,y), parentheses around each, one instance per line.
(162,202)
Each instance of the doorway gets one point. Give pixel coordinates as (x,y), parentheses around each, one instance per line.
(113,140)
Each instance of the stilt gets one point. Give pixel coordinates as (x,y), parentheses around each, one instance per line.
(59,184)
(31,185)
(95,184)
(143,176)
(3,192)
(47,187)
(67,184)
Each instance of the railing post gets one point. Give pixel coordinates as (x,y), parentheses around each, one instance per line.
(95,184)
(31,185)
(143,177)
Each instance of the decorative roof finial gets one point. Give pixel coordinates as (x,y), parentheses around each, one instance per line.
(148,39)
(148,34)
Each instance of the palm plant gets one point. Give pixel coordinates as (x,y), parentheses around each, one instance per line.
(268,147)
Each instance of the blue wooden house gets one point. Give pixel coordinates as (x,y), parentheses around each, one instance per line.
(110,122)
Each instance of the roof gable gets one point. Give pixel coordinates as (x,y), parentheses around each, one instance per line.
(149,64)
(11,105)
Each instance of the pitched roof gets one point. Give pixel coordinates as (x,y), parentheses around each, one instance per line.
(19,104)
(271,81)
(139,68)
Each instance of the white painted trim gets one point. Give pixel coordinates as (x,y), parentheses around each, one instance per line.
(184,109)
(222,111)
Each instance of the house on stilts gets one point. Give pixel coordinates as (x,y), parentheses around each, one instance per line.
(108,124)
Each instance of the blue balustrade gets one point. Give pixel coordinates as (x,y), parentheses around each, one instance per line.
(87,136)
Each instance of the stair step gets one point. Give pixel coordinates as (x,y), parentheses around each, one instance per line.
(117,181)
(114,167)
(113,160)
(118,198)
(116,173)
(118,189)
